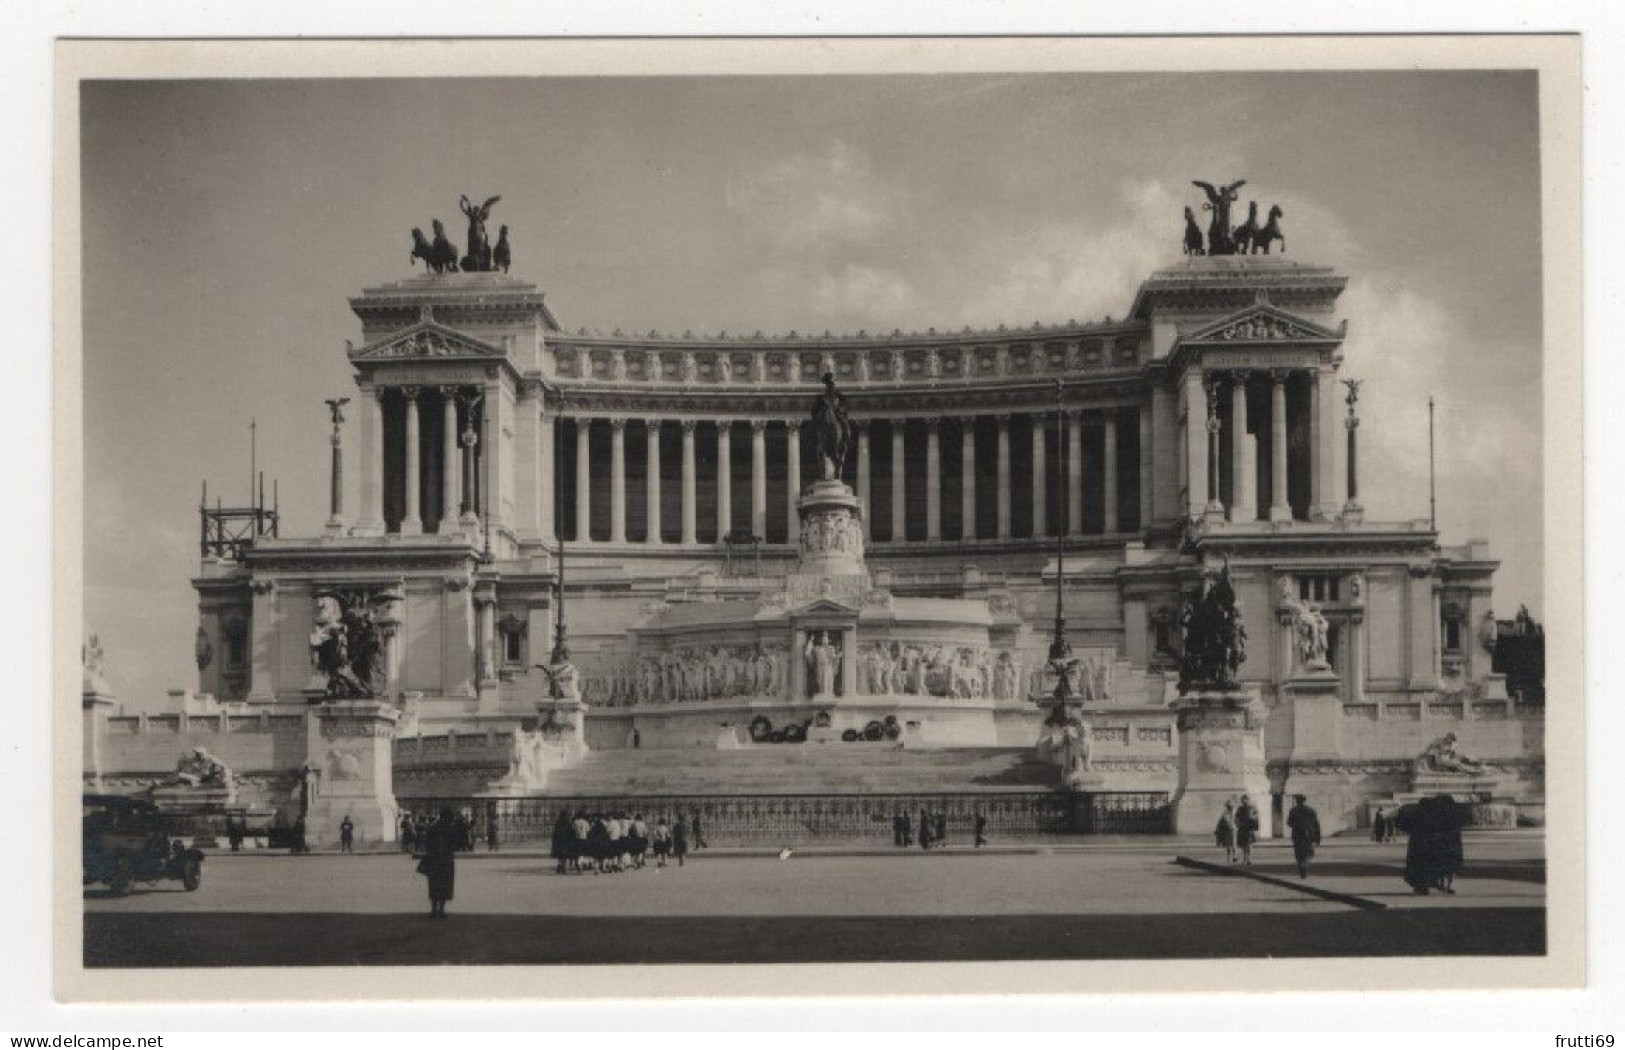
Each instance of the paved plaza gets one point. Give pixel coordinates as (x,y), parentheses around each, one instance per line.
(1125,899)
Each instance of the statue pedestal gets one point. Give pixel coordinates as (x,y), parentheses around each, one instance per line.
(568,718)
(1316,697)
(1221,757)
(352,747)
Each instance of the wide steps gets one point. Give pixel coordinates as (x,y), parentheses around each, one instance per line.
(802,769)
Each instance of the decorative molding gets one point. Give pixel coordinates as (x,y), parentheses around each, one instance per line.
(426,340)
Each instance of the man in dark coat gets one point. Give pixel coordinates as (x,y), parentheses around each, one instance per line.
(897,830)
(439,862)
(941,835)
(347,835)
(1379,827)
(1246,828)
(699,835)
(981,829)
(925,830)
(679,839)
(1304,823)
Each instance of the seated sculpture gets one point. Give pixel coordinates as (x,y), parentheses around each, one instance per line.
(198,768)
(1442,756)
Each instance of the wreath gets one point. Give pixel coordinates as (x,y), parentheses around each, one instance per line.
(794,734)
(849,735)
(874,731)
(760,728)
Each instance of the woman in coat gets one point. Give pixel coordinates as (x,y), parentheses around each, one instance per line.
(1246,829)
(439,861)
(1224,832)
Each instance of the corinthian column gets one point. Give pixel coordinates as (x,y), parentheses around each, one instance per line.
(651,478)
(967,478)
(1242,496)
(583,480)
(1004,477)
(933,480)
(1074,473)
(411,521)
(617,480)
(549,527)
(899,493)
(1280,509)
(691,532)
(372,472)
(1040,478)
(792,476)
(1194,474)
(758,478)
(725,492)
(451,459)
(863,479)
(1109,478)
(1215,507)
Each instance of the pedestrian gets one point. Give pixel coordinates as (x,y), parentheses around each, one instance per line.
(1419,824)
(598,843)
(662,842)
(908,831)
(559,844)
(941,837)
(925,830)
(638,840)
(1304,823)
(346,835)
(699,836)
(580,842)
(981,829)
(490,833)
(1224,832)
(679,839)
(897,824)
(234,834)
(1450,819)
(409,835)
(1246,829)
(438,861)
(1379,827)
(299,843)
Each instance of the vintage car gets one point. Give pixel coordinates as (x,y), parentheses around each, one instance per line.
(125,840)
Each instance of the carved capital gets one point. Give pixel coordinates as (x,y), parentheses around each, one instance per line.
(617,423)
(457,583)
(758,426)
(793,427)
(450,392)
(262,586)
(688,426)
(410,393)
(1279,376)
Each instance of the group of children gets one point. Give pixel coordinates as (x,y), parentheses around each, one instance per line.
(612,842)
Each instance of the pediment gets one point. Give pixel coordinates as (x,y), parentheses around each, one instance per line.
(425,340)
(825,608)
(1261,323)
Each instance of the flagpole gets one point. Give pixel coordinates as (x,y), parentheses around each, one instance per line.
(1433,506)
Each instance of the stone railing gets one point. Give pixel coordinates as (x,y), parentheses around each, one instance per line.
(1010,355)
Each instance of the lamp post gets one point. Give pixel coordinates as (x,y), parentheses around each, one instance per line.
(1060,652)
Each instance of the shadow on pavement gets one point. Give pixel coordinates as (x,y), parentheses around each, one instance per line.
(337,939)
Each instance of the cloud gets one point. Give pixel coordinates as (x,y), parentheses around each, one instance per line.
(810,202)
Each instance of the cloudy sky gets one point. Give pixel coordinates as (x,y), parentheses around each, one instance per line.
(225,224)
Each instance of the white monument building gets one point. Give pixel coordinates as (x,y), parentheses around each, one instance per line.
(780,648)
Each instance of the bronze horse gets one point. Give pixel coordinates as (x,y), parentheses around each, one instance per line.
(1270,231)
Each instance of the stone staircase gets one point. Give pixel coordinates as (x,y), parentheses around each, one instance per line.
(803,769)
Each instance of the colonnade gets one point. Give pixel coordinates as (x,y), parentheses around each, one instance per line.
(1057,492)
(450,499)
(1222,447)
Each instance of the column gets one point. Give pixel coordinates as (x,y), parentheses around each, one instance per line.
(758,478)
(691,532)
(725,492)
(1074,473)
(494,494)
(1280,509)
(583,480)
(1214,511)
(967,478)
(1194,459)
(470,441)
(651,480)
(1354,657)
(899,494)
(792,475)
(863,478)
(1004,477)
(1317,480)
(450,480)
(849,662)
(1143,415)
(1330,487)
(372,473)
(411,522)
(1242,497)
(547,482)
(335,518)
(1352,423)
(617,480)
(486,652)
(1109,480)
(933,479)
(1040,478)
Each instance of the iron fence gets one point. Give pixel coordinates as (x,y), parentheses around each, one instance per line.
(736,820)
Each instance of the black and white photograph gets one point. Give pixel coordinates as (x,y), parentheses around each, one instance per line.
(897,512)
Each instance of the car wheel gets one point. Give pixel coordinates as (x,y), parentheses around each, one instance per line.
(192,875)
(120,881)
